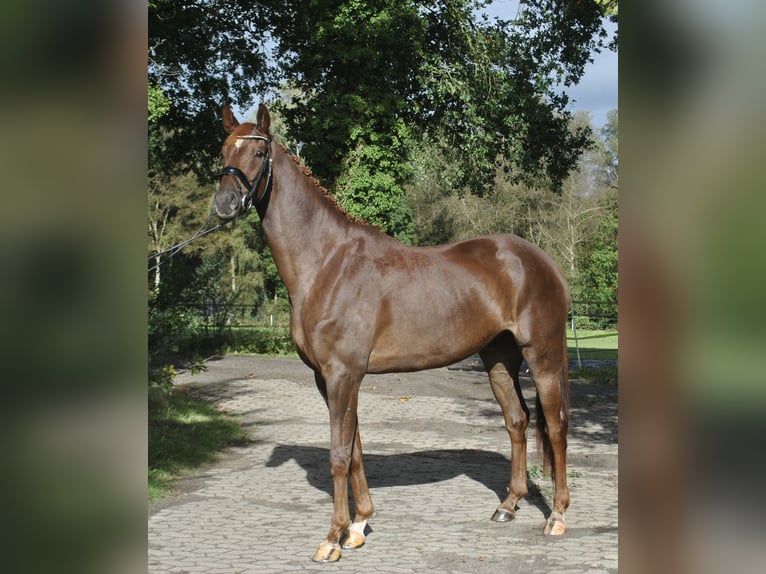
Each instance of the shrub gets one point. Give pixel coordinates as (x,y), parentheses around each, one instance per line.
(160,385)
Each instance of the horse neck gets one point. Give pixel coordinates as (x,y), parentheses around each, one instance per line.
(301,226)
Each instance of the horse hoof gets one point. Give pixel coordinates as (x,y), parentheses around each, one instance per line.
(327,553)
(353,540)
(555,527)
(503,515)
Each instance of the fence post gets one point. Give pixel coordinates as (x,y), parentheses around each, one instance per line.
(577,342)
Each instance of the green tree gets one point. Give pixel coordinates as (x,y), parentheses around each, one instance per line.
(176,208)
(596,260)
(203,54)
(577,225)
(158,103)
(361,70)
(596,284)
(370,184)
(491,88)
(609,151)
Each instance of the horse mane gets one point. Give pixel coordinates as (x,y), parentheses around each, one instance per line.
(330,198)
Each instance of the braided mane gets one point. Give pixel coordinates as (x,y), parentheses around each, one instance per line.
(327,195)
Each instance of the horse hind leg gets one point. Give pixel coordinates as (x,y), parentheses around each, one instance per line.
(550,373)
(502,359)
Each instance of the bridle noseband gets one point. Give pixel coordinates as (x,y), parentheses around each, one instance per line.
(249,198)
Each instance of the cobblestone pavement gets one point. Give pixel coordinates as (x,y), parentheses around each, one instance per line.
(436,456)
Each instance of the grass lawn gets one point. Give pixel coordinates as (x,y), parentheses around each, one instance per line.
(593,345)
(184,434)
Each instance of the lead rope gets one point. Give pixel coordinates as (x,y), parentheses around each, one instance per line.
(171,251)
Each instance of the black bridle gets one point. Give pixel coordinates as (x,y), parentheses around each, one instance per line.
(249,198)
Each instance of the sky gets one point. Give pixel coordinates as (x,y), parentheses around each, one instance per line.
(597,91)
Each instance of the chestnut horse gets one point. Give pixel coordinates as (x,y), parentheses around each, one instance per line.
(362,302)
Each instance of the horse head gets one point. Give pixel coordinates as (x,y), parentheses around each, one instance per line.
(246,175)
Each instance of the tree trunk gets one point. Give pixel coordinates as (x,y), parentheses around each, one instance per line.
(157,261)
(233,262)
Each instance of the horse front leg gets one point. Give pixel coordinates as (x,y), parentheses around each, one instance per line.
(341,393)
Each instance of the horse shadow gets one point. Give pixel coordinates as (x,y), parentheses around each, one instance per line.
(412,468)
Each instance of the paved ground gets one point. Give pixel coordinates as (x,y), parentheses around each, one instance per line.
(436,460)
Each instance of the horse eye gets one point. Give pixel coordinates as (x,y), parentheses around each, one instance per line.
(259,154)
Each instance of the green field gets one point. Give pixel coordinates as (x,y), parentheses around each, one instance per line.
(600,345)
(593,344)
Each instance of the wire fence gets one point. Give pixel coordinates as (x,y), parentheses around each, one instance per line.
(594,314)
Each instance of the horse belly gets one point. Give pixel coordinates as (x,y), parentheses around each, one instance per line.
(424,334)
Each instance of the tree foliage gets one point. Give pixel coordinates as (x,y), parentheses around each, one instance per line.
(369,76)
(370,185)
(363,69)
(203,54)
(577,226)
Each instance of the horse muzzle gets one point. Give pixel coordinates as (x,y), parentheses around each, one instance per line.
(228,202)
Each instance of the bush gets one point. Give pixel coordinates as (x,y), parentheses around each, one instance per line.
(262,341)
(170,330)
(160,385)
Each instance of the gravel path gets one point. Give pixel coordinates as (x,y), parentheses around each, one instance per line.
(436,459)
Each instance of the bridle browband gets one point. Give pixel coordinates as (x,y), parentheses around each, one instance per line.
(249,198)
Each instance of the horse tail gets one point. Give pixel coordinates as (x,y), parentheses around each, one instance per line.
(544,446)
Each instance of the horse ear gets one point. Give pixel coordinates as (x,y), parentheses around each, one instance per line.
(264,121)
(229,121)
